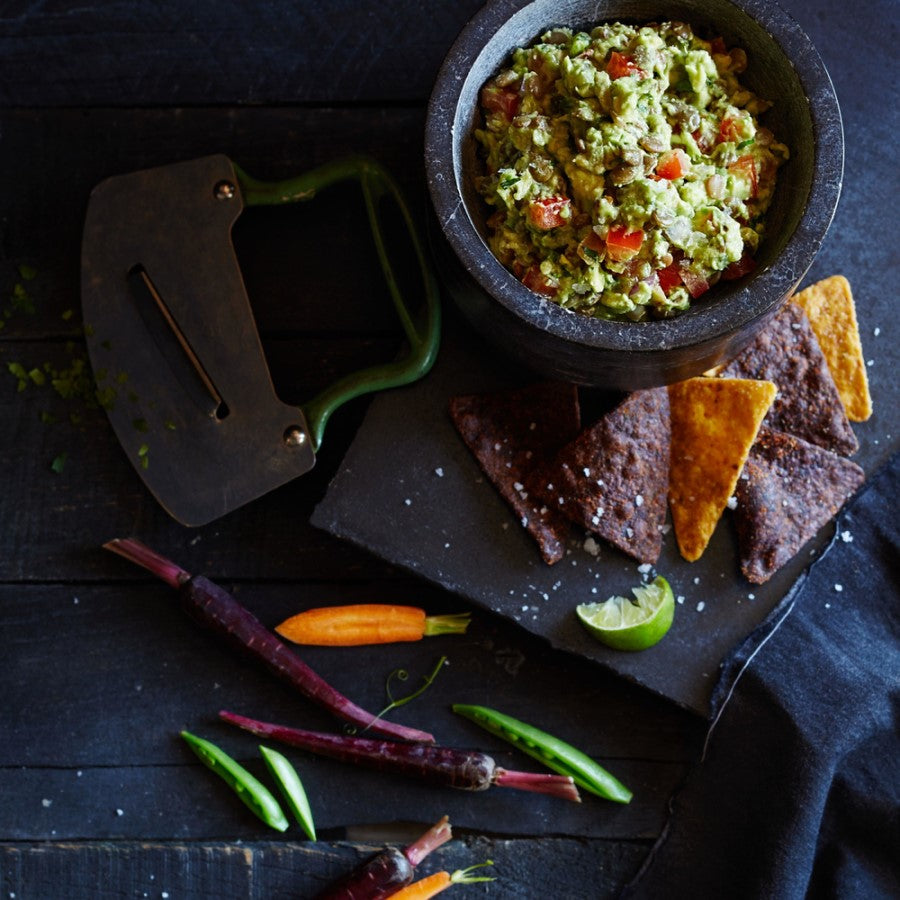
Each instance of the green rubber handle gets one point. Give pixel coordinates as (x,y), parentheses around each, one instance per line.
(422,334)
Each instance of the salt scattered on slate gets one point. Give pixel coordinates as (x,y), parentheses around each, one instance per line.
(816,482)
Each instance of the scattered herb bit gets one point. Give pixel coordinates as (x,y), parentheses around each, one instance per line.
(141,425)
(144,456)
(403,675)
(170,425)
(27,272)
(59,463)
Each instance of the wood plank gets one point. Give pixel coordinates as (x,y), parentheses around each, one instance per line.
(149,54)
(258,870)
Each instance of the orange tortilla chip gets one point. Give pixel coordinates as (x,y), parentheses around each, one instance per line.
(829,306)
(714,425)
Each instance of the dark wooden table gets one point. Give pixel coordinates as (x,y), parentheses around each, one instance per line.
(100,669)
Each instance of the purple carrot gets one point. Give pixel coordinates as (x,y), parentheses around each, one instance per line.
(389,871)
(467,770)
(212,606)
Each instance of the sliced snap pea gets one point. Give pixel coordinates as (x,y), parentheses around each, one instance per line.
(548,750)
(252,792)
(292,788)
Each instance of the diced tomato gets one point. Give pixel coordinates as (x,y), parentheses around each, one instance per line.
(537,281)
(622,244)
(592,242)
(503,100)
(739,269)
(620,65)
(673,164)
(669,278)
(717,45)
(548,212)
(745,166)
(729,130)
(694,282)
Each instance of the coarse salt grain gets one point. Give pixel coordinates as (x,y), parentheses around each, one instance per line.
(408,502)
(638,500)
(439,472)
(644,568)
(701,606)
(838,587)
(877,331)
(846,537)
(592,547)
(732,502)
(679,599)
(45,803)
(587,472)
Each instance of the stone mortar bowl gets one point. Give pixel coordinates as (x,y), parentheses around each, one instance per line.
(783,67)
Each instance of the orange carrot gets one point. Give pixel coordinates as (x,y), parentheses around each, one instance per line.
(367,623)
(434,884)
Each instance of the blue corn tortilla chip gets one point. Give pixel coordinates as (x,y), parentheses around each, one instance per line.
(613,479)
(808,404)
(510,433)
(787,491)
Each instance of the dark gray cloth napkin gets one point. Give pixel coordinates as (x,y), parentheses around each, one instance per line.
(798,791)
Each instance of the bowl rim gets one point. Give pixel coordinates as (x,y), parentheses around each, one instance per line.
(750,300)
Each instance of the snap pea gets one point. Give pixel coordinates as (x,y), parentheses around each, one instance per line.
(292,788)
(253,793)
(548,750)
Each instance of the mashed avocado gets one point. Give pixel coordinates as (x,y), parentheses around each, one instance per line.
(626,168)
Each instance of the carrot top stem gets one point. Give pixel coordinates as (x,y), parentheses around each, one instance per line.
(562,786)
(438,834)
(134,551)
(452,623)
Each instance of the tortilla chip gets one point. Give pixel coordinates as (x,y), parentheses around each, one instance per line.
(789,489)
(832,314)
(612,479)
(808,404)
(714,424)
(511,432)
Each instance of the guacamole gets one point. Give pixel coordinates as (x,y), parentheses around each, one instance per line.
(626,168)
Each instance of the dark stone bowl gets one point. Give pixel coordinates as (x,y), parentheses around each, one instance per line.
(783,67)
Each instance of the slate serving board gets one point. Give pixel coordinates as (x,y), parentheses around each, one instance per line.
(409,491)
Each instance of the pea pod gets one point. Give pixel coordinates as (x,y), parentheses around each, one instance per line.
(252,792)
(552,752)
(292,788)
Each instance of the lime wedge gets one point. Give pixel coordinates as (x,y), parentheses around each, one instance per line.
(625,624)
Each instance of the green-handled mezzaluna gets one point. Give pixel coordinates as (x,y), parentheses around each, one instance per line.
(552,752)
(292,788)
(255,795)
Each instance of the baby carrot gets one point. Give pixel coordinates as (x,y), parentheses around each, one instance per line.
(367,623)
(428,887)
